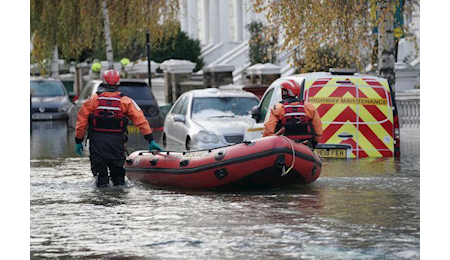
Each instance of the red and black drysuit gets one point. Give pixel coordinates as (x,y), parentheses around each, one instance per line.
(106,116)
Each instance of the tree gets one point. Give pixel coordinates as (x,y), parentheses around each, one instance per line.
(262,43)
(312,27)
(109,51)
(386,43)
(76,27)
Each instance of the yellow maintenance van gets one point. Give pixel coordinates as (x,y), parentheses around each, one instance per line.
(358,113)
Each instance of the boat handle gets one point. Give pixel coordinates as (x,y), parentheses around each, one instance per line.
(153,162)
(184,163)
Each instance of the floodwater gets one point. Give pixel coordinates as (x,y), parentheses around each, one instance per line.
(357,209)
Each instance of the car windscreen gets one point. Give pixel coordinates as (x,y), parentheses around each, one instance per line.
(44,88)
(136,91)
(222,106)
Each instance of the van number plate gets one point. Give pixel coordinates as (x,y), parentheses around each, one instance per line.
(332,153)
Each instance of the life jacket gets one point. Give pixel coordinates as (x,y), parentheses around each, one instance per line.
(297,124)
(108,116)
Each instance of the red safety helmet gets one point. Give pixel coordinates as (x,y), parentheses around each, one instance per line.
(290,88)
(111,78)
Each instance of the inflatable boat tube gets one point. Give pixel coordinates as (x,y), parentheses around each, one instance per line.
(267,162)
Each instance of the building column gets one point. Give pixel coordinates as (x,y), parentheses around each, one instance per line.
(214,15)
(206,22)
(224,21)
(184,16)
(191,18)
(239,8)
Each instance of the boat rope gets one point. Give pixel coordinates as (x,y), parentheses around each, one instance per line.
(283,171)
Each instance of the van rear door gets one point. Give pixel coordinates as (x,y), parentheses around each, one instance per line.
(356,113)
(334,98)
(375,123)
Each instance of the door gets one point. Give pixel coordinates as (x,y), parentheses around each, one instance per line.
(181,130)
(171,127)
(335,99)
(375,120)
(356,112)
(255,131)
(169,123)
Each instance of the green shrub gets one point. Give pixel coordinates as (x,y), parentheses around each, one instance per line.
(180,47)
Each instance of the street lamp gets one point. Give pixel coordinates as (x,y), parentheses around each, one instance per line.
(148,60)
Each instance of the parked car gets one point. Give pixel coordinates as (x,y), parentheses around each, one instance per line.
(136,89)
(49,99)
(209,118)
(358,113)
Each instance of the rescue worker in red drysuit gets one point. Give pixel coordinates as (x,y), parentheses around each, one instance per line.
(296,119)
(105,115)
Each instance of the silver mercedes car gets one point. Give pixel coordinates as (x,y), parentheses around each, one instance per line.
(209,118)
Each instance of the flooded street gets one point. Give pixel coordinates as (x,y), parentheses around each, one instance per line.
(357,209)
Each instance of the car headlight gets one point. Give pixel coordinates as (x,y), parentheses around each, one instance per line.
(63,108)
(204,137)
(152,111)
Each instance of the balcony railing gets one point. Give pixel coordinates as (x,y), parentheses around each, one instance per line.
(408,105)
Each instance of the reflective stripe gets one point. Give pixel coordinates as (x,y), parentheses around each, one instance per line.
(295,114)
(110,98)
(294,106)
(109,108)
(136,105)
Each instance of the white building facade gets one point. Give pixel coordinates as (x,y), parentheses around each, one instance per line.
(219,25)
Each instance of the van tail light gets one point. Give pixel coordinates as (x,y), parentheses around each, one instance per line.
(396,137)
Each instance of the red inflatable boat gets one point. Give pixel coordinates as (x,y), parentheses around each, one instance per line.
(263,163)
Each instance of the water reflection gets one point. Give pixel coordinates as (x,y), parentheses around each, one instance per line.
(357,209)
(108,197)
(50,139)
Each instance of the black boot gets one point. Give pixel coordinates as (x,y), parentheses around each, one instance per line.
(117,175)
(119,181)
(102,181)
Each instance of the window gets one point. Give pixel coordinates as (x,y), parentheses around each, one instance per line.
(45,88)
(222,106)
(184,106)
(136,91)
(178,105)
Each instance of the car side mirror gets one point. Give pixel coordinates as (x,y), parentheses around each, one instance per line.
(179,118)
(255,112)
(72,96)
